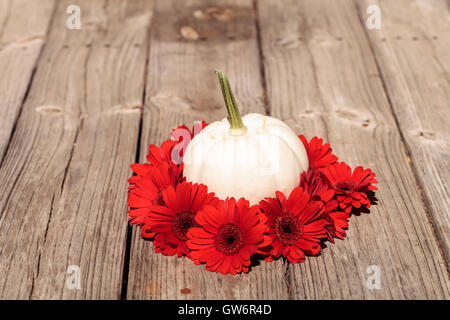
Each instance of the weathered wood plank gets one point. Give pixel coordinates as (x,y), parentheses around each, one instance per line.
(63,191)
(182,87)
(23,27)
(322,78)
(412,49)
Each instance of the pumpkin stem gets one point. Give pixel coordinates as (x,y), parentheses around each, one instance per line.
(237,127)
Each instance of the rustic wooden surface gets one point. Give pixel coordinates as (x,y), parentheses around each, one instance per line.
(22,33)
(67,164)
(79,106)
(413,57)
(334,90)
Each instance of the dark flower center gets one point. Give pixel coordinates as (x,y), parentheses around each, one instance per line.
(346,186)
(158,200)
(229,239)
(288,229)
(181,224)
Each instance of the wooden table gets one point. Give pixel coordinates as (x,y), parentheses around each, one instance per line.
(80,105)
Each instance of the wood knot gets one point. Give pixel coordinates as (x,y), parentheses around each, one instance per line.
(308,113)
(205,23)
(189,33)
(347,114)
(49,109)
(219,14)
(288,42)
(355,118)
(126,109)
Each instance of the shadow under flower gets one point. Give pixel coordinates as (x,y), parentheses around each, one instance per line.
(373,202)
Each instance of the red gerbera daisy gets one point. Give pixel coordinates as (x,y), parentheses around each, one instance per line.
(311,183)
(155,157)
(145,191)
(156,154)
(319,155)
(336,221)
(170,223)
(229,234)
(350,188)
(296,225)
(140,169)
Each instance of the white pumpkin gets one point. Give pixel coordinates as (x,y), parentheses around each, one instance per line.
(249,157)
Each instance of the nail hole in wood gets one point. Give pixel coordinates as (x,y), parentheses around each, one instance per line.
(427,134)
(185,291)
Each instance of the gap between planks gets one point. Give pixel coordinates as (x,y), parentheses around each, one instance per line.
(129,236)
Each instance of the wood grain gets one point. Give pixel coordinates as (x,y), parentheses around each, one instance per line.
(322,79)
(181,88)
(412,50)
(64,178)
(23,28)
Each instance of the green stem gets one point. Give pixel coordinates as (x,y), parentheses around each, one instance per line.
(237,127)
